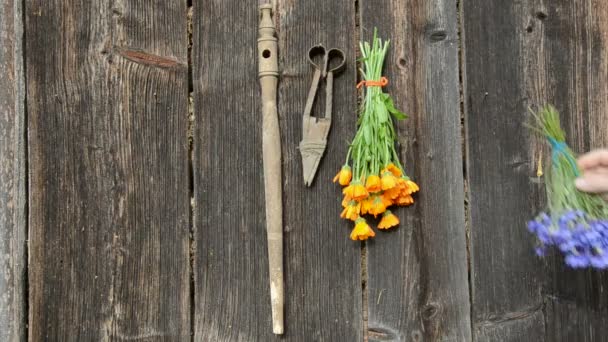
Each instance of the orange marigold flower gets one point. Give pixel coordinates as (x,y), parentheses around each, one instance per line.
(410,187)
(355,191)
(386,199)
(362,230)
(345,201)
(404,200)
(395,170)
(344,176)
(378,206)
(351,212)
(396,191)
(392,193)
(366,205)
(388,180)
(373,184)
(388,220)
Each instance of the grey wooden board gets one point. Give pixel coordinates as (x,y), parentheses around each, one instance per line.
(108,160)
(522,327)
(323,264)
(417,274)
(109,182)
(575,51)
(232,301)
(323,286)
(569,320)
(506,277)
(519,55)
(13,223)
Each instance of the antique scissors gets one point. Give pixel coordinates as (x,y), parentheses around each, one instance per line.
(315,130)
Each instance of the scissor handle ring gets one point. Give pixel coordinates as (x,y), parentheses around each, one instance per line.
(317,51)
(338,55)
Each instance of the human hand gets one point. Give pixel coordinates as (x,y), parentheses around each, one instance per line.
(594,173)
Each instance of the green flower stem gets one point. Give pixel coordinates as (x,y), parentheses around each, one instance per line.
(562,194)
(373,146)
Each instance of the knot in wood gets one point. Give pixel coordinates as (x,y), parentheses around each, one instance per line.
(429,311)
(438,35)
(416,336)
(540,15)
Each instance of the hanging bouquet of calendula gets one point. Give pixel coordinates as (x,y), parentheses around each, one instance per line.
(372,175)
(575,223)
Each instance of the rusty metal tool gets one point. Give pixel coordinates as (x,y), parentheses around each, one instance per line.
(268,74)
(316,130)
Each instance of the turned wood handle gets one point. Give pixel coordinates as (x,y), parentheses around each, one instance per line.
(271,146)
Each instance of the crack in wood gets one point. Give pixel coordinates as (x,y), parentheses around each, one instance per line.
(380,334)
(145,58)
(510,317)
(190,137)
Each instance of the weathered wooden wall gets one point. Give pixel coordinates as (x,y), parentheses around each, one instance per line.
(322,267)
(13,222)
(131,173)
(519,55)
(109,194)
(422,265)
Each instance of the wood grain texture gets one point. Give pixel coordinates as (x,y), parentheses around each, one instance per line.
(323,288)
(230,266)
(573,321)
(575,48)
(519,55)
(505,276)
(322,266)
(417,274)
(520,327)
(13,222)
(109,200)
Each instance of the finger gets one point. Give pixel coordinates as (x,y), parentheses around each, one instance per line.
(593,159)
(593,183)
(599,170)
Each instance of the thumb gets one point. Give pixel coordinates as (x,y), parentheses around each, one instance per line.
(593,183)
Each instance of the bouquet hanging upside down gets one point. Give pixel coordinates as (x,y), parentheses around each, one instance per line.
(376,180)
(575,223)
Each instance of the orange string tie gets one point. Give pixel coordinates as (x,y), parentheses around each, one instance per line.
(383,82)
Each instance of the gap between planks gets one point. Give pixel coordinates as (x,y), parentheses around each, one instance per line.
(190,137)
(21,105)
(363,267)
(463,135)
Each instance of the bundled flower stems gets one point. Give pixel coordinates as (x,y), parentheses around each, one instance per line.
(372,175)
(575,223)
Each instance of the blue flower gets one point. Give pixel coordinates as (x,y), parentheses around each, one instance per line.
(561,235)
(533,226)
(577,260)
(583,241)
(567,246)
(599,261)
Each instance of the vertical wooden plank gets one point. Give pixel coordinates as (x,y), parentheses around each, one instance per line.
(230,268)
(323,289)
(13,224)
(322,264)
(522,328)
(576,53)
(568,320)
(501,81)
(417,274)
(109,201)
(518,55)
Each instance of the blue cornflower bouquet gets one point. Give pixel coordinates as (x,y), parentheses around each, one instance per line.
(576,223)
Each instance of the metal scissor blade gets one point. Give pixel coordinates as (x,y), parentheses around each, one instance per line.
(311,158)
(313,146)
